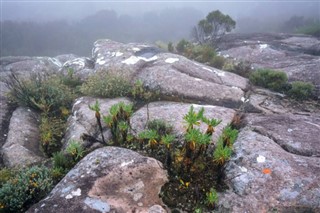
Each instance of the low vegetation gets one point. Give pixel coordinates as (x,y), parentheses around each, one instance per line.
(185,160)
(271,79)
(301,90)
(24,188)
(278,81)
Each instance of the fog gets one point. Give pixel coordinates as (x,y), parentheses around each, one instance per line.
(56,27)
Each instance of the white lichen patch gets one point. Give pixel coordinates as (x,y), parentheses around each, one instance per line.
(134,59)
(126,163)
(130,61)
(263,46)
(244,100)
(101,61)
(197,79)
(171,60)
(78,61)
(115,54)
(205,106)
(75,193)
(243,169)
(218,73)
(234,87)
(55,61)
(136,49)
(261,159)
(289,130)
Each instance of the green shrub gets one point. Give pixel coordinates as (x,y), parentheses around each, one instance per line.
(43,93)
(108,84)
(182,46)
(72,81)
(311,29)
(201,53)
(61,161)
(217,62)
(27,187)
(271,79)
(170,47)
(5,175)
(301,90)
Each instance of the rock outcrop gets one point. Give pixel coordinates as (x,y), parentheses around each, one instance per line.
(297,55)
(170,74)
(109,179)
(277,154)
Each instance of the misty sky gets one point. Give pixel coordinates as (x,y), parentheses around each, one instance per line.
(45,10)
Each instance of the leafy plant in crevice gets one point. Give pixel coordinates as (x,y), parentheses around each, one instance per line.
(51,133)
(118,121)
(96,109)
(211,198)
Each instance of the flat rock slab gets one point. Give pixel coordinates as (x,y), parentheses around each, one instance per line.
(170,74)
(263,177)
(83,119)
(298,134)
(22,145)
(173,113)
(109,179)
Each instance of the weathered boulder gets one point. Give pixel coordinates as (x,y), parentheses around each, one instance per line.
(263,177)
(173,113)
(22,145)
(297,55)
(29,65)
(170,74)
(109,179)
(83,119)
(82,67)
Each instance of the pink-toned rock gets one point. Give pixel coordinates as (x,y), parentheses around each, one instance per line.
(109,179)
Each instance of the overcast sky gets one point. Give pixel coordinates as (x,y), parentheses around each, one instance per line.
(44,10)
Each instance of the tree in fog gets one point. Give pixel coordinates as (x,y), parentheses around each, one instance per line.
(210,29)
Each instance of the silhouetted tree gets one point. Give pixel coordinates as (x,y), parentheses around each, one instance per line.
(210,29)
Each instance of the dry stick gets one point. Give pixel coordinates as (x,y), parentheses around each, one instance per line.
(100,126)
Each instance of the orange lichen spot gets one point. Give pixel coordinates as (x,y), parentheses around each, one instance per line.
(266,171)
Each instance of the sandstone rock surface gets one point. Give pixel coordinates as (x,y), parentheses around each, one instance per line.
(263,177)
(109,179)
(22,145)
(170,74)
